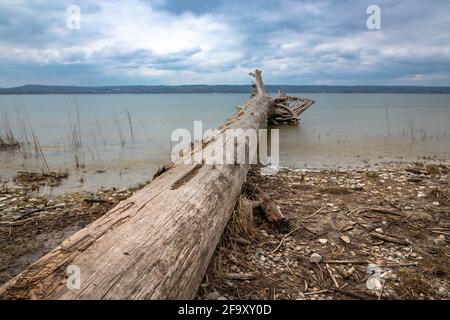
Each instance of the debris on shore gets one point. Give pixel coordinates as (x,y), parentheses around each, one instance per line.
(355,234)
(352,234)
(32,225)
(35,180)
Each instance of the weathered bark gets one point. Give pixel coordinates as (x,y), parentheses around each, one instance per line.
(155,245)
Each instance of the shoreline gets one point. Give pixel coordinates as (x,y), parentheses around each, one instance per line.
(325,211)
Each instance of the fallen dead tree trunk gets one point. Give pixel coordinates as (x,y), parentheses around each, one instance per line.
(155,245)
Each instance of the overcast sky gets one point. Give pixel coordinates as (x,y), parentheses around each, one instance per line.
(219,42)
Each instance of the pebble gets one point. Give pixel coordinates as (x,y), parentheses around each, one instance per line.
(379,230)
(315,258)
(421,194)
(322,241)
(435,203)
(440,239)
(50,203)
(346,239)
(3,199)
(441,291)
(276,259)
(213,295)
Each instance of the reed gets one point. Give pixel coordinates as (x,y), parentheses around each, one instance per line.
(99,128)
(40,155)
(119,130)
(75,127)
(8,139)
(146,132)
(388,126)
(130,123)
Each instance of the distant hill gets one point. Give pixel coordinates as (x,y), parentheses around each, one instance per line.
(44,89)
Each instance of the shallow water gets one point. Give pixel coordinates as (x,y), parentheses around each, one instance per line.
(340,130)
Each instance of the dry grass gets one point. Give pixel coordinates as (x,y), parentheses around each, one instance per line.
(7,137)
(241,224)
(440,195)
(35,179)
(372,174)
(335,190)
(412,285)
(433,169)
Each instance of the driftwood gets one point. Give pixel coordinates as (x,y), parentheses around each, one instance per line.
(271,212)
(389,238)
(157,244)
(287,109)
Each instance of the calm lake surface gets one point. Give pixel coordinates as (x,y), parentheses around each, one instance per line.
(339,130)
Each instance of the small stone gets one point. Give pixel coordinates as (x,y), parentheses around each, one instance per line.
(346,239)
(3,199)
(212,295)
(50,203)
(421,194)
(441,291)
(315,258)
(262,259)
(435,203)
(379,230)
(222,298)
(440,240)
(277,259)
(322,241)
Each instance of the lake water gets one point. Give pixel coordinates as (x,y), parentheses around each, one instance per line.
(339,130)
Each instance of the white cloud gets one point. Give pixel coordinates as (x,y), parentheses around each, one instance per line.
(293,42)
